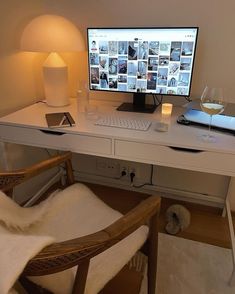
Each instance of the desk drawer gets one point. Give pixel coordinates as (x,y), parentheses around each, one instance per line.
(56,140)
(204,161)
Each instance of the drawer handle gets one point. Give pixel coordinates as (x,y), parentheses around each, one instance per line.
(185,149)
(54,133)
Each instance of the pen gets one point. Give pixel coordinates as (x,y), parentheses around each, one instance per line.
(62,120)
(67,117)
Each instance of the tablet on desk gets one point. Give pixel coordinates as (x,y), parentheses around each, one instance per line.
(219,121)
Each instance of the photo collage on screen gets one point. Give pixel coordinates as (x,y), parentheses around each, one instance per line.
(162,67)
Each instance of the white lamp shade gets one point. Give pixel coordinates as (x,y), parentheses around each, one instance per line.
(51,33)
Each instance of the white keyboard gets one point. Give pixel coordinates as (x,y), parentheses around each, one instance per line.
(125,123)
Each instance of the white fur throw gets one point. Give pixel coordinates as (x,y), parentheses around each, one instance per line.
(71,213)
(17,248)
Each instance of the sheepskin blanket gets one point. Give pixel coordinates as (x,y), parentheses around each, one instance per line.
(71,213)
(17,247)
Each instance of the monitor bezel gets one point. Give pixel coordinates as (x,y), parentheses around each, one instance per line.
(146,93)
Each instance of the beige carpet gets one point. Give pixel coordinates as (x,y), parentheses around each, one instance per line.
(189,267)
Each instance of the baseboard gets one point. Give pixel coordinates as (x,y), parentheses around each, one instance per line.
(188,196)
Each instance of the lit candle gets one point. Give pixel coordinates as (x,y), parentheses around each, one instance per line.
(166,113)
(167,109)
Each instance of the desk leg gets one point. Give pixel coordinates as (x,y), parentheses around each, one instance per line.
(224,213)
(232,279)
(231,228)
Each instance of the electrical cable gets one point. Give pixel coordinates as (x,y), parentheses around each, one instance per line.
(132,175)
(123,173)
(188,99)
(156,99)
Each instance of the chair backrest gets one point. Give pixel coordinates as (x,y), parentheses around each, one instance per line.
(61,256)
(8,180)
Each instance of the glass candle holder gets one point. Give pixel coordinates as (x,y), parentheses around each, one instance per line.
(167,109)
(166,113)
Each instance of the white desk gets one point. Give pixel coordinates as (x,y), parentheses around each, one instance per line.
(180,147)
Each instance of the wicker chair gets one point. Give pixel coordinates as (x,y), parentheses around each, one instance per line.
(79,251)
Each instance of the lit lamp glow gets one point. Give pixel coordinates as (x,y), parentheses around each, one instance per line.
(52,34)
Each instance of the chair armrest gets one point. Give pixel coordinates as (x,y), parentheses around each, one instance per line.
(64,255)
(9,180)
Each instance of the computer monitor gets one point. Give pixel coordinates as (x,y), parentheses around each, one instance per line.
(142,61)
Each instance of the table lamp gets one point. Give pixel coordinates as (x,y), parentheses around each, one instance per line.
(53,34)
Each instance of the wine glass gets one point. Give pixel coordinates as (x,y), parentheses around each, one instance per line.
(212,102)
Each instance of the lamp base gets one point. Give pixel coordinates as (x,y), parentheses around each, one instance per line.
(55,76)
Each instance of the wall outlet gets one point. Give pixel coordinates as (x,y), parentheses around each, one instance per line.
(112,168)
(128,168)
(107,167)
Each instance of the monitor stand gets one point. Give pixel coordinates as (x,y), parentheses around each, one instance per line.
(138,105)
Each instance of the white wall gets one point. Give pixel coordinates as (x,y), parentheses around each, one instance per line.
(20,73)
(17,85)
(215,18)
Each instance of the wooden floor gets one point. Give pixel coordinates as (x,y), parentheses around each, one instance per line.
(207,224)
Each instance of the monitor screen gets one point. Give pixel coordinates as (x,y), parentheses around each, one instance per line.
(142,60)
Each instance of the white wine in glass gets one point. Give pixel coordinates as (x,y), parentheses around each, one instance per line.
(212,102)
